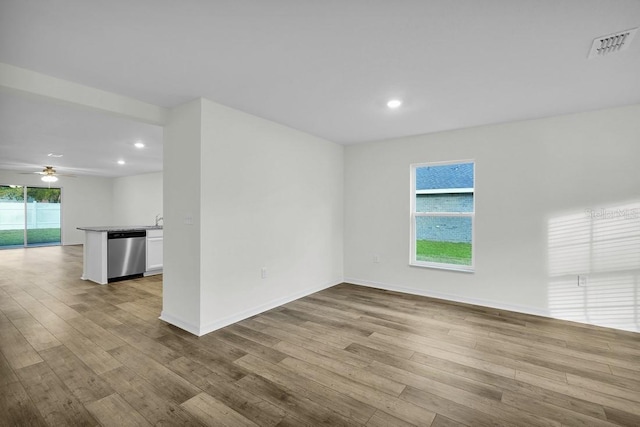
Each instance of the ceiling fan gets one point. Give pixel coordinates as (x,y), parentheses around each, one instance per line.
(50,175)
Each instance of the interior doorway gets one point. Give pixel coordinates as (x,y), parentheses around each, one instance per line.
(30,216)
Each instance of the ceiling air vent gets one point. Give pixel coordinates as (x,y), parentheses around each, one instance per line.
(605,45)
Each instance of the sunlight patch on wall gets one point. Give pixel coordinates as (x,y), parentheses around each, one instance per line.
(602,245)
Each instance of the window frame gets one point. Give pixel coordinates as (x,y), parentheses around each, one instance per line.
(413,261)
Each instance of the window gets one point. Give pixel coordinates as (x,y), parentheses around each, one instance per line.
(442,215)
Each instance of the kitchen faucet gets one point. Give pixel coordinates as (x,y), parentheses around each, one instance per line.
(158,219)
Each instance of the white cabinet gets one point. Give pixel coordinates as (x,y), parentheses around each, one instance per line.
(154,251)
(95,256)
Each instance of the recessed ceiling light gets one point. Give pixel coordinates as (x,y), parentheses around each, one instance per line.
(121,162)
(54,155)
(394,103)
(139,144)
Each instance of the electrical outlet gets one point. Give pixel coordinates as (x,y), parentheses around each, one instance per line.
(263,272)
(376,259)
(582,280)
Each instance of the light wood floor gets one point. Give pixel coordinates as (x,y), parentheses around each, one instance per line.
(76,353)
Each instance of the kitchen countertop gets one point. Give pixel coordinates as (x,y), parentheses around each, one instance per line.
(106,229)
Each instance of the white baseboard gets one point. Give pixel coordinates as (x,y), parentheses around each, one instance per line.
(221,323)
(449,297)
(152,272)
(179,323)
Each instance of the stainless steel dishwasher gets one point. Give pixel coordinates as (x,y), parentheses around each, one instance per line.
(126,254)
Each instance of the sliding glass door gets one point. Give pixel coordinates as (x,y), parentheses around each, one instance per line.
(12,219)
(29,216)
(43,216)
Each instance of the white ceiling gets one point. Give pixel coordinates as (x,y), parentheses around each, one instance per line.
(91,142)
(326,67)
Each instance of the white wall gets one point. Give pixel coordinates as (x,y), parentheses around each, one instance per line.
(137,199)
(528,175)
(263,195)
(181,200)
(86,201)
(242,193)
(271,198)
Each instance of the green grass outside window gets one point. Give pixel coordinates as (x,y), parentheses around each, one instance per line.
(443,252)
(34,236)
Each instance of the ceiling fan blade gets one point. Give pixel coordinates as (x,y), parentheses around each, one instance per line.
(49,171)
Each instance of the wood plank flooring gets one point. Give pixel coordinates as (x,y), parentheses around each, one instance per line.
(77,353)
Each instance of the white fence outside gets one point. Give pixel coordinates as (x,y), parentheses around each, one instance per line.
(39,215)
